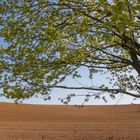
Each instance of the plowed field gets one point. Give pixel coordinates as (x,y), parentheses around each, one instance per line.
(44,122)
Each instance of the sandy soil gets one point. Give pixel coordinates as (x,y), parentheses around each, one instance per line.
(44,122)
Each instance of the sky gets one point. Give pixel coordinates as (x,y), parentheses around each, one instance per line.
(84,81)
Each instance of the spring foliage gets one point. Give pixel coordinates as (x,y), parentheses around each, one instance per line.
(49,40)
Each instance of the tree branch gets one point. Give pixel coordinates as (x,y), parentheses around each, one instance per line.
(114,91)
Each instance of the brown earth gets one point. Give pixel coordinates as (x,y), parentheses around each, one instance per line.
(44,122)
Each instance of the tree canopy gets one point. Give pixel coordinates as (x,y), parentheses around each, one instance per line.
(49,40)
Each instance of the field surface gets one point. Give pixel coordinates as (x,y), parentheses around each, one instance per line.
(44,122)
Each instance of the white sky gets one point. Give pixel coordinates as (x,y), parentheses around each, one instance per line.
(60,93)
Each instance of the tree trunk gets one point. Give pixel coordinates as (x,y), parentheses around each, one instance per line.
(135,61)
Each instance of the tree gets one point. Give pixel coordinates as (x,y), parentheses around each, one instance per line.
(49,40)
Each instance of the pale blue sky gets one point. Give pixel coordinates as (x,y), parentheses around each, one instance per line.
(60,93)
